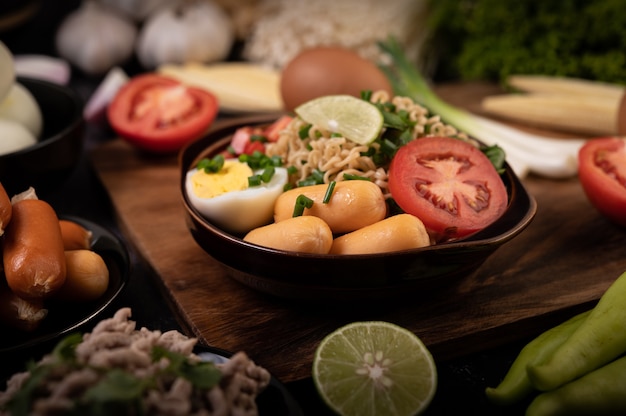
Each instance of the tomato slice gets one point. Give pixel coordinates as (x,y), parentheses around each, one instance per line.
(602,174)
(449,184)
(161,114)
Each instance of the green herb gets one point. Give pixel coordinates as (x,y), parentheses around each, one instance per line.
(203,374)
(254,180)
(302,202)
(329,192)
(259,160)
(258,138)
(211,165)
(303,133)
(351,177)
(315,178)
(477,39)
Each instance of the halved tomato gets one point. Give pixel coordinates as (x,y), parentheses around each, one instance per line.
(161,114)
(602,174)
(449,184)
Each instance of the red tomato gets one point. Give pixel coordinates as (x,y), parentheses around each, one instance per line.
(161,114)
(447,183)
(272,131)
(602,174)
(241,138)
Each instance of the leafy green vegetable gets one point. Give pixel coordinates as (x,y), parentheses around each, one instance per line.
(492,39)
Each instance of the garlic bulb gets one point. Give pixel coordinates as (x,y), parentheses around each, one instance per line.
(138,10)
(198,31)
(95,39)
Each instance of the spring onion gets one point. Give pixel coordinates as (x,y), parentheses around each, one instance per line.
(302,202)
(329,192)
(549,157)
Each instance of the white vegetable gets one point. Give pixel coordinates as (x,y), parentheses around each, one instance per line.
(7,70)
(95,108)
(43,67)
(137,10)
(95,39)
(14,137)
(20,106)
(198,31)
(549,157)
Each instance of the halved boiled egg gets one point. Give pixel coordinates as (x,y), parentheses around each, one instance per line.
(226,199)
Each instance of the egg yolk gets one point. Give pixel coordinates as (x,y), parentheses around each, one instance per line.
(232,177)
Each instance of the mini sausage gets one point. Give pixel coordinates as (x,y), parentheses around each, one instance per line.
(399,232)
(33,254)
(304,234)
(87,276)
(353,204)
(5,209)
(75,236)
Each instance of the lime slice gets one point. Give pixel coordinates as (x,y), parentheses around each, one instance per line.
(374,368)
(355,119)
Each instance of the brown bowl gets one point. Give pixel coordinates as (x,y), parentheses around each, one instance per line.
(311,277)
(47,163)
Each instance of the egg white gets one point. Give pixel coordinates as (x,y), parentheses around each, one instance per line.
(240,211)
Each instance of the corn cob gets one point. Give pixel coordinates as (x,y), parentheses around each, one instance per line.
(560,103)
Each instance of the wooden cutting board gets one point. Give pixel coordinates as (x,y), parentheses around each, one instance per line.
(561,264)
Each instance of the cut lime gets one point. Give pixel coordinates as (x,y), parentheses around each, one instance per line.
(374,368)
(355,119)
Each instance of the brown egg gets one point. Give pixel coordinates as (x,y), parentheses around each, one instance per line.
(327,71)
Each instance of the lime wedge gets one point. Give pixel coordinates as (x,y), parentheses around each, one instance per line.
(374,368)
(355,119)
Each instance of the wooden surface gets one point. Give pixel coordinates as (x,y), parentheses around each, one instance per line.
(561,264)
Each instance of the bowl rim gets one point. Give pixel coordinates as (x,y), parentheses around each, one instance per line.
(515,189)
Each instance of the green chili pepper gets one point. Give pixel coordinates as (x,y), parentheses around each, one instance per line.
(600,392)
(600,339)
(515,385)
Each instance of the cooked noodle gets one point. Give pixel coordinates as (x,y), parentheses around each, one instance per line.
(336,156)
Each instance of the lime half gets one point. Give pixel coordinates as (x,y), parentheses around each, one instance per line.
(355,119)
(374,368)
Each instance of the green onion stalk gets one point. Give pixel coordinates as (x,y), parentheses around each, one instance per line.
(525,152)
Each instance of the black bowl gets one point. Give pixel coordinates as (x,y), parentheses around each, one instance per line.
(47,164)
(67,317)
(310,277)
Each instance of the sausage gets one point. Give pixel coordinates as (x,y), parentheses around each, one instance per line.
(75,236)
(304,234)
(398,232)
(33,254)
(87,276)
(5,209)
(353,204)
(19,313)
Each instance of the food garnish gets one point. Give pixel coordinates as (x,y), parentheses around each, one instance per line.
(374,368)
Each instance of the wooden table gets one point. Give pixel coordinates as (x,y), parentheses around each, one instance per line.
(561,264)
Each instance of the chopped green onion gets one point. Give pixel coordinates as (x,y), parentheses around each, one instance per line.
(268,173)
(211,165)
(292,170)
(329,192)
(258,138)
(303,133)
(351,177)
(254,180)
(302,202)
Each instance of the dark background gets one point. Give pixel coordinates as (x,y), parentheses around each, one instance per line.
(461,382)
